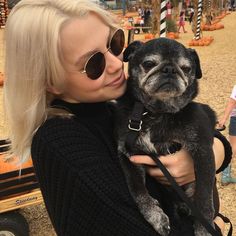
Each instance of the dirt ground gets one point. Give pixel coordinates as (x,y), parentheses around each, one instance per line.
(218,62)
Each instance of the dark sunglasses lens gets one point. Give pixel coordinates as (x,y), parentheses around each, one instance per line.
(117,42)
(95,66)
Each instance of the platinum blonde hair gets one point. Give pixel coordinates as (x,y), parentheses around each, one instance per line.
(33,62)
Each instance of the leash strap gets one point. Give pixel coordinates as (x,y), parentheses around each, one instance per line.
(183,196)
(135,125)
(227,220)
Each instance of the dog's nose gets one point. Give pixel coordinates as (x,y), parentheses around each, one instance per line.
(168,69)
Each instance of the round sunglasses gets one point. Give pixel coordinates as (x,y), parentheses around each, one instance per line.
(96,63)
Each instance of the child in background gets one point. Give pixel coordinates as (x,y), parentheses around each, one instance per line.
(181,22)
(191,15)
(230,111)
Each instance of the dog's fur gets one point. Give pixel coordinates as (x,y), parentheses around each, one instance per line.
(163,76)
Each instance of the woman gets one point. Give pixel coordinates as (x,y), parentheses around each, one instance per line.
(63,62)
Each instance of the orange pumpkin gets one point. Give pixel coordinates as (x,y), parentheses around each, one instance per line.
(171,36)
(176,35)
(195,43)
(200,43)
(212,27)
(206,27)
(206,43)
(219,26)
(147,36)
(190,43)
(211,38)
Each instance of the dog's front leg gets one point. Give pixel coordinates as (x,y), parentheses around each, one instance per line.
(204,166)
(148,206)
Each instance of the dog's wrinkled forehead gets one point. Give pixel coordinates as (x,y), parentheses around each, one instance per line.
(162,50)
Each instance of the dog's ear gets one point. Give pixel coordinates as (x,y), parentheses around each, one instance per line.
(195,57)
(129,51)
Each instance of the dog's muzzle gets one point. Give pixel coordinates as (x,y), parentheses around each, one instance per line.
(166,78)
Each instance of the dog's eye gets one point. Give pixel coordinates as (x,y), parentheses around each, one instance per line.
(186,69)
(148,65)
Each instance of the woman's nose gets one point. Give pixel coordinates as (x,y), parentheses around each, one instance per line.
(113,63)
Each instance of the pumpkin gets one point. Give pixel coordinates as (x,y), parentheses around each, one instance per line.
(206,43)
(211,38)
(206,27)
(149,36)
(212,27)
(190,43)
(195,43)
(171,36)
(176,35)
(219,26)
(200,43)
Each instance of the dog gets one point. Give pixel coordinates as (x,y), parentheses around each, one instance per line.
(163,77)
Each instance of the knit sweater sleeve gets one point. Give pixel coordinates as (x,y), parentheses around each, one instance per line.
(84,190)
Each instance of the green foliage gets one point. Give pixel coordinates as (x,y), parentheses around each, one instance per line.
(171,25)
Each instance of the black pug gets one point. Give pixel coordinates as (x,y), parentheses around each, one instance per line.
(163,77)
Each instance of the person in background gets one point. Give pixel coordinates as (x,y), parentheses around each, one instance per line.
(59,82)
(147,16)
(181,22)
(230,111)
(232,5)
(169,10)
(191,13)
(140,12)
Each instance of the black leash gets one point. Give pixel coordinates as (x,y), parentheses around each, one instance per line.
(135,126)
(183,196)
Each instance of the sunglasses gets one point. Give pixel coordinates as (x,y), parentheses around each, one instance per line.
(95,65)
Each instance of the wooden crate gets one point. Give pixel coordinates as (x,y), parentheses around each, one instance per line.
(18,184)
(23,200)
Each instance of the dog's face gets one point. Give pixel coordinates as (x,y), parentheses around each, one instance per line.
(162,74)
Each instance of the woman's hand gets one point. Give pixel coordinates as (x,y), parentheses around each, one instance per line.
(221,122)
(179,164)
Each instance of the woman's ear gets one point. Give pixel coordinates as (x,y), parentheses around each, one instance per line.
(130,50)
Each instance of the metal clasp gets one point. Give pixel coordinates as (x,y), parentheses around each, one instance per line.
(135,123)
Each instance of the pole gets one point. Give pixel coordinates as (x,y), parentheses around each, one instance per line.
(199,16)
(163,19)
(123,7)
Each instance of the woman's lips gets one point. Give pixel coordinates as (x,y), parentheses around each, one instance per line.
(117,82)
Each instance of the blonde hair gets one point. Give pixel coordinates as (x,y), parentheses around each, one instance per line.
(33,64)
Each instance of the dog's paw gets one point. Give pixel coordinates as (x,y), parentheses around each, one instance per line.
(201,233)
(161,224)
(153,213)
(200,230)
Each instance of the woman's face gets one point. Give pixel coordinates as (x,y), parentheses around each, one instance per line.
(80,38)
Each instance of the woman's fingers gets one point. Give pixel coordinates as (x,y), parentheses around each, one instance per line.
(179,165)
(142,159)
(147,160)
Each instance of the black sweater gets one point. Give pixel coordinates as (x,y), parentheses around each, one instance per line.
(80,177)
